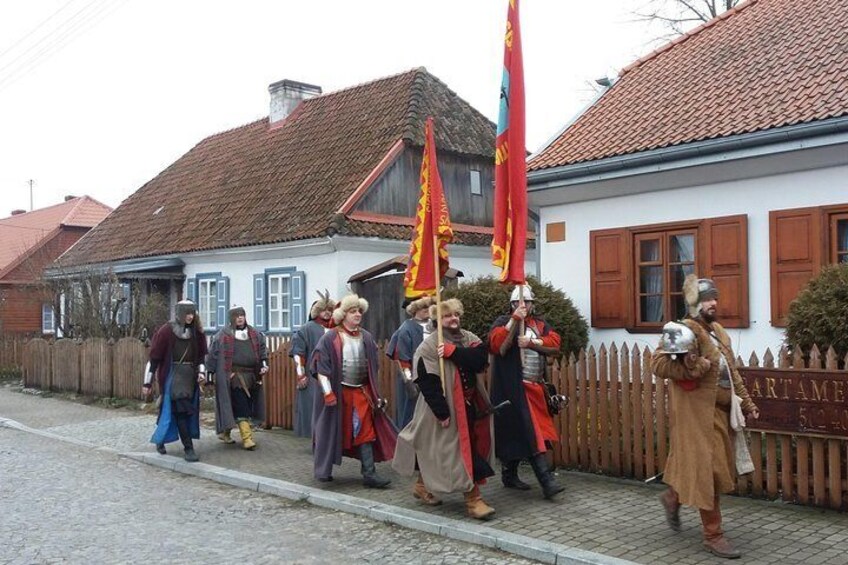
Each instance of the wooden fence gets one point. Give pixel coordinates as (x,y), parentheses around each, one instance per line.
(12,352)
(616,422)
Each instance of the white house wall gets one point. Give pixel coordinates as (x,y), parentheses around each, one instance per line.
(567,265)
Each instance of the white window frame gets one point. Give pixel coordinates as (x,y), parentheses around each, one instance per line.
(51,327)
(207,302)
(284,302)
(476,181)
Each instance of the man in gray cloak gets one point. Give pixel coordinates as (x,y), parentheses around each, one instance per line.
(303,344)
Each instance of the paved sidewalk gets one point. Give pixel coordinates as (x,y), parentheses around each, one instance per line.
(612,517)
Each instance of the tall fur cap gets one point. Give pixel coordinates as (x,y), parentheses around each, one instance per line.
(348,302)
(323,303)
(450,306)
(416,305)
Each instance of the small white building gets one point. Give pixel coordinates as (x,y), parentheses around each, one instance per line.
(724,153)
(266,214)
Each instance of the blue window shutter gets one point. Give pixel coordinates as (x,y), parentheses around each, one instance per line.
(259,301)
(298,298)
(223,296)
(191,289)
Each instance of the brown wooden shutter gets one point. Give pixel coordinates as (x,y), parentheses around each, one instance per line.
(724,258)
(610,278)
(795,242)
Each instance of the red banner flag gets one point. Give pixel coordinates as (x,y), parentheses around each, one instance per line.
(509,242)
(432,227)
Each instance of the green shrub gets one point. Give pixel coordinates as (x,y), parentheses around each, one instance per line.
(484,299)
(819,315)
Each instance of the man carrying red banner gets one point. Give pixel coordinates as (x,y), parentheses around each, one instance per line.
(520,344)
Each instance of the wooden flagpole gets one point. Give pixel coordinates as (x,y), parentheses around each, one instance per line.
(438,277)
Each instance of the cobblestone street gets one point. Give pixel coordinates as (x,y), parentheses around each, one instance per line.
(63,503)
(613,517)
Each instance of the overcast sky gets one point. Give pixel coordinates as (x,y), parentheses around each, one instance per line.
(98,96)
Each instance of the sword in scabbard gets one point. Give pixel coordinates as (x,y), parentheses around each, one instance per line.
(655,479)
(243,384)
(494,409)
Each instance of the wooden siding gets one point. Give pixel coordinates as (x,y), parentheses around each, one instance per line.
(396,191)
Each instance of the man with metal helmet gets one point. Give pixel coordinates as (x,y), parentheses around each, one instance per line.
(701,462)
(177,353)
(302,345)
(239,359)
(350,419)
(521,343)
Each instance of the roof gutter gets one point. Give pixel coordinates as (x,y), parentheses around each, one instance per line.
(701,152)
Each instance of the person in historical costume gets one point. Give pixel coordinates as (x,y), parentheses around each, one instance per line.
(177,353)
(350,420)
(450,436)
(302,346)
(238,358)
(401,349)
(526,429)
(702,458)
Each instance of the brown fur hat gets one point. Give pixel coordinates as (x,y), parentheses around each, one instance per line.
(697,290)
(348,302)
(424,302)
(450,306)
(323,303)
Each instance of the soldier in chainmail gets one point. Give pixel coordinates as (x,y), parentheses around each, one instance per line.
(520,344)
(350,421)
(177,354)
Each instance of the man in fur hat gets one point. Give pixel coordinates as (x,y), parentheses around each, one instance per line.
(450,436)
(303,344)
(177,352)
(350,419)
(401,348)
(239,358)
(701,461)
(520,343)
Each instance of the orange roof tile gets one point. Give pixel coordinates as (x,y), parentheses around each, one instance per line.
(257,184)
(764,64)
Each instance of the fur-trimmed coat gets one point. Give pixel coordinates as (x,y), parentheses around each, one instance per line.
(701,462)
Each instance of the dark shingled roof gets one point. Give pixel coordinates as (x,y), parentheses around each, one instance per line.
(257,184)
(764,64)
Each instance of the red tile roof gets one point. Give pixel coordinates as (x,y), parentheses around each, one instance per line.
(257,184)
(21,233)
(764,64)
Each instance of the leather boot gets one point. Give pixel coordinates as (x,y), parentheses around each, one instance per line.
(225,437)
(246,434)
(185,437)
(475,507)
(370,478)
(714,540)
(546,478)
(671,503)
(509,476)
(160,449)
(420,492)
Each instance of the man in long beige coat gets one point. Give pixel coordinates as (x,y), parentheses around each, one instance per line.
(701,462)
(450,435)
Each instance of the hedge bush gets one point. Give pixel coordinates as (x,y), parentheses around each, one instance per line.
(485,298)
(819,315)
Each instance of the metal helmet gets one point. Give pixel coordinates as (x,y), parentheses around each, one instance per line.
(677,339)
(528,293)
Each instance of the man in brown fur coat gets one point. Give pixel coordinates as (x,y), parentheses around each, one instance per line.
(701,462)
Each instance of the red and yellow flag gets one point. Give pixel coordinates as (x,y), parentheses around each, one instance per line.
(432,227)
(509,242)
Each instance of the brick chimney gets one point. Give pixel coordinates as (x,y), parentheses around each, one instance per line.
(18,212)
(286,95)
(69,197)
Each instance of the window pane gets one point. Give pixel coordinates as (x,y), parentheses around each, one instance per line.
(273,302)
(649,250)
(842,237)
(678,306)
(678,275)
(476,187)
(682,248)
(651,309)
(285,285)
(286,320)
(273,285)
(274,319)
(650,280)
